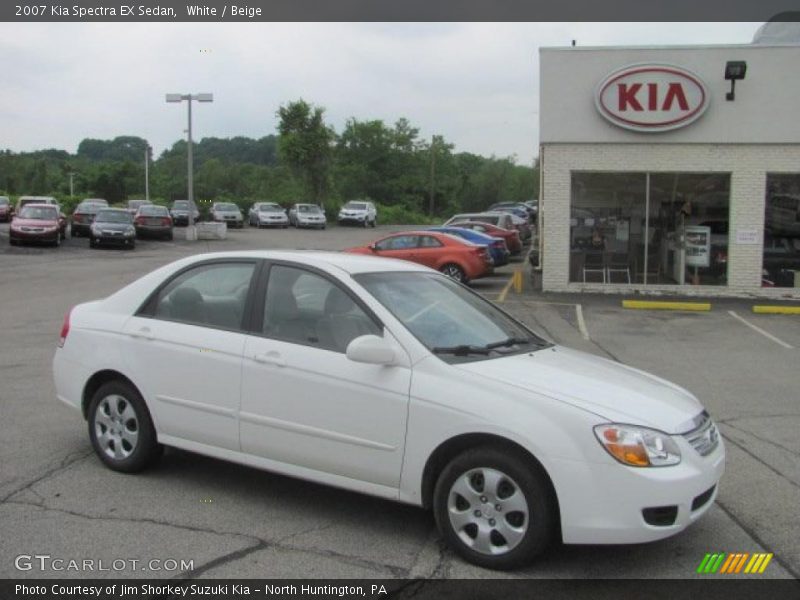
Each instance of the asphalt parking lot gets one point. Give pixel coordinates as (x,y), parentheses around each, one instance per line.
(57,499)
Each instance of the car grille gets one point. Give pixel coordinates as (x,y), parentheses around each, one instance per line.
(32,229)
(705,436)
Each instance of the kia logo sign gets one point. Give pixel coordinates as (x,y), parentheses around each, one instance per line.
(651,98)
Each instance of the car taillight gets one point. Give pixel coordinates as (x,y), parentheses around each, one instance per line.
(64,329)
(166,221)
(138,220)
(77,218)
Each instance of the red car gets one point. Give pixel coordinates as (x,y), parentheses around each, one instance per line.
(36,223)
(452,256)
(511,236)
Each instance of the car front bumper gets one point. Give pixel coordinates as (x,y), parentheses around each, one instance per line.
(604,503)
(35,236)
(106,239)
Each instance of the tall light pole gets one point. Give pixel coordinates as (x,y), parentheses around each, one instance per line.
(147,150)
(71,191)
(190,231)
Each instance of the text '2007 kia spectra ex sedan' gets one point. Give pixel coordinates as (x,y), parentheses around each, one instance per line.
(389,378)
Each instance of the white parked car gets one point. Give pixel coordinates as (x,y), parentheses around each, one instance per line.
(307,215)
(388,378)
(227,212)
(267,214)
(359,212)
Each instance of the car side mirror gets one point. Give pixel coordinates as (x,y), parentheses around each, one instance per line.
(370,349)
(373,247)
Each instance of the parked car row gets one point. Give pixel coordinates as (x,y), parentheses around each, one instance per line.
(468,246)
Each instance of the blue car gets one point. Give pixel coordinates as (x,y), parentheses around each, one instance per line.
(497,247)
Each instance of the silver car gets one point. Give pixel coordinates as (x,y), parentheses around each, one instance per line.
(307,215)
(227,212)
(268,214)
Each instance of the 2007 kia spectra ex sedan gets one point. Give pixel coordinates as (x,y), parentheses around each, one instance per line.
(389,378)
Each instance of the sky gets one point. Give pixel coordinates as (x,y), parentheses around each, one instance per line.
(476,84)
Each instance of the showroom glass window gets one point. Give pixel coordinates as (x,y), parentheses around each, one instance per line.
(781,259)
(651,228)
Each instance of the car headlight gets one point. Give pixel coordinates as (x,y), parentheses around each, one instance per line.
(130,230)
(638,446)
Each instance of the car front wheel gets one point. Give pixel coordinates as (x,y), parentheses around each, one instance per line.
(494,508)
(120,428)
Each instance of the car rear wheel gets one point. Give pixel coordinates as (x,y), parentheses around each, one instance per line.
(494,508)
(454,271)
(120,428)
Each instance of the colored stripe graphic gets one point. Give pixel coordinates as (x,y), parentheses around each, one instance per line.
(734,563)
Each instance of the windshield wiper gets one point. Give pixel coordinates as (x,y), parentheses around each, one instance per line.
(512,341)
(462,350)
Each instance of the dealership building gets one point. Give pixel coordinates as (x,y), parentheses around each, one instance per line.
(671,169)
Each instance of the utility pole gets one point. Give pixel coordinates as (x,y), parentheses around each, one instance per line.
(147,172)
(433,174)
(71,190)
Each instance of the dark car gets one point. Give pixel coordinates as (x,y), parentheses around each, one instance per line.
(113,227)
(36,223)
(180,211)
(781,261)
(83,216)
(135,205)
(5,209)
(153,221)
(497,246)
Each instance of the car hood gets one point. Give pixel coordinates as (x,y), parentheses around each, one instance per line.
(17,222)
(609,389)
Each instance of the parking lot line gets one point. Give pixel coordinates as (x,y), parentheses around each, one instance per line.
(581,322)
(502,297)
(761,331)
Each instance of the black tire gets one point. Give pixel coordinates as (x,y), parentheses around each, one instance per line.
(170,236)
(92,243)
(12,241)
(365,223)
(374,223)
(536,526)
(454,271)
(120,400)
(57,241)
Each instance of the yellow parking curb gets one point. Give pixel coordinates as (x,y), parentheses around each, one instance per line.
(663,305)
(776,309)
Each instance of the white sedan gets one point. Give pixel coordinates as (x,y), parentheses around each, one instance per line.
(388,378)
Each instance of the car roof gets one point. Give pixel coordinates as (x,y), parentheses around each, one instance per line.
(342,261)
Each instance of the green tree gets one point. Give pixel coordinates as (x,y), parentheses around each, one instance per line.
(305,145)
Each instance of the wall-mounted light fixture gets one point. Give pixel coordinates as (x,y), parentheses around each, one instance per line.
(734,70)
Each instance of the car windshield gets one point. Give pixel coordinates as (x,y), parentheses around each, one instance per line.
(269,208)
(451,321)
(88,207)
(137,203)
(355,206)
(153,211)
(181,205)
(113,216)
(307,208)
(39,213)
(3,201)
(227,207)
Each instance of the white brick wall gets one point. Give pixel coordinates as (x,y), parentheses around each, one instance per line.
(747,164)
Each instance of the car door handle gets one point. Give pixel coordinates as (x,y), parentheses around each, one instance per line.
(144,333)
(270,358)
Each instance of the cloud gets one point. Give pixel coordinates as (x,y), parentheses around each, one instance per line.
(475,83)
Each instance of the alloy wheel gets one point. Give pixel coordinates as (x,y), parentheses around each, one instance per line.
(116,427)
(488,511)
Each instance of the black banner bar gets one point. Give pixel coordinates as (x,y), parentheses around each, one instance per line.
(731,588)
(393,10)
